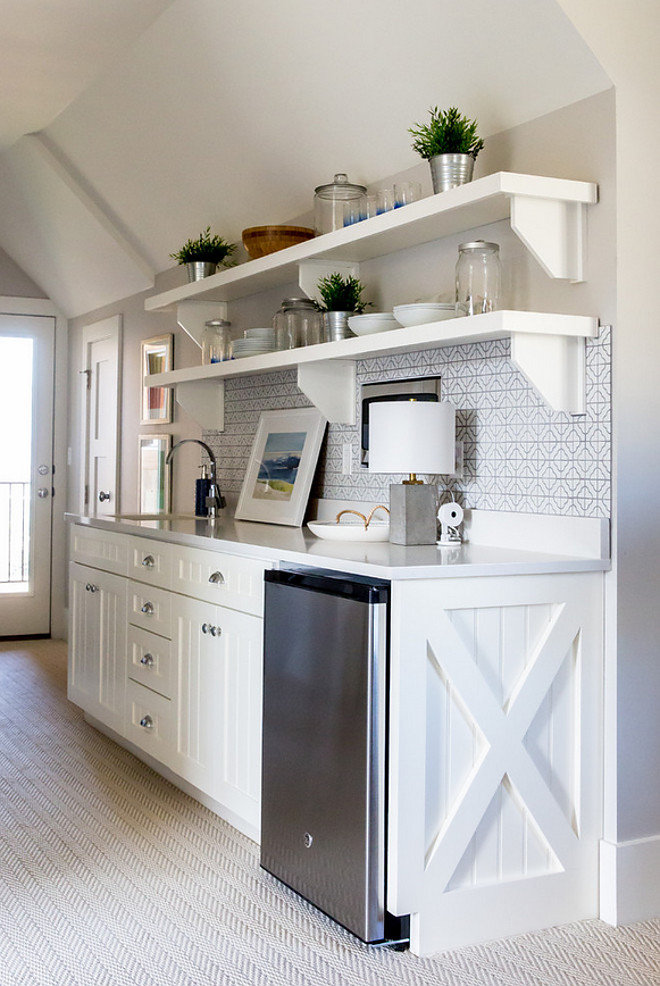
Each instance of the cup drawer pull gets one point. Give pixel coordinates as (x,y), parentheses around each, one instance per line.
(217,578)
(147,660)
(146,722)
(147,609)
(148,561)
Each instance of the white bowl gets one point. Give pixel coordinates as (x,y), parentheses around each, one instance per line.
(423,312)
(330,530)
(363,325)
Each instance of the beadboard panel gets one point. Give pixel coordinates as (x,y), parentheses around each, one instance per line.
(520,455)
(500,682)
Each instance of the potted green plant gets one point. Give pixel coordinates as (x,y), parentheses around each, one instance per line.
(341,297)
(203,255)
(449,142)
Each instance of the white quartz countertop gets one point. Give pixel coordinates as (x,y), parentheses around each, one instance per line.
(296,546)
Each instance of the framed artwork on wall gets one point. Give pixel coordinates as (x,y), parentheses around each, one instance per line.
(153,474)
(157,357)
(281,467)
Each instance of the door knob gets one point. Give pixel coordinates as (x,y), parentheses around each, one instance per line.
(43,492)
(104,495)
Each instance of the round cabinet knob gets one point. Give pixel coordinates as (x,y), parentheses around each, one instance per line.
(43,492)
(216,631)
(147,660)
(90,587)
(217,578)
(148,561)
(205,628)
(146,722)
(104,495)
(147,609)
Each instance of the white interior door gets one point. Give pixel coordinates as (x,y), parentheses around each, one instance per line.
(101,432)
(26,472)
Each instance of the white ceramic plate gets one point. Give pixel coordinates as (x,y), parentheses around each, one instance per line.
(422,313)
(349,531)
(363,325)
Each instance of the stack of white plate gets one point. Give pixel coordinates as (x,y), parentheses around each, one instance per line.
(423,312)
(256,342)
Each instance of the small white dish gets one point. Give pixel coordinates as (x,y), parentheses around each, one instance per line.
(330,530)
(423,312)
(363,325)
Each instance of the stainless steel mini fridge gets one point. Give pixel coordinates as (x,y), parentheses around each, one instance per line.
(324,744)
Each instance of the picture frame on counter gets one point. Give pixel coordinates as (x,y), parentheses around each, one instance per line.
(154,482)
(281,468)
(157,356)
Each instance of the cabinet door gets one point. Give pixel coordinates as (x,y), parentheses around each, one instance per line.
(219,705)
(97,644)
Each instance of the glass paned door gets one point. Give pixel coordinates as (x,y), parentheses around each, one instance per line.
(26,473)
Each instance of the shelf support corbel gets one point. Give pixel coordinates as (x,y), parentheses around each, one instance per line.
(191,316)
(554,232)
(203,400)
(331,387)
(555,365)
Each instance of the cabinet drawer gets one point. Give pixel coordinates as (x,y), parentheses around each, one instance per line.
(150,608)
(150,660)
(100,549)
(215,577)
(150,561)
(151,722)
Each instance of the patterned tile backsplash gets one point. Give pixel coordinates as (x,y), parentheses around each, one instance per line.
(519,455)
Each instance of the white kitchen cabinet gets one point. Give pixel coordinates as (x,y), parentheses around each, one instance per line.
(97,644)
(495,755)
(169,659)
(218,745)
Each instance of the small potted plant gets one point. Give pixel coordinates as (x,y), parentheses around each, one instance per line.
(203,255)
(450,144)
(341,297)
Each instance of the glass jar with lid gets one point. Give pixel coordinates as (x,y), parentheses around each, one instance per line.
(338,204)
(297,323)
(216,341)
(478,278)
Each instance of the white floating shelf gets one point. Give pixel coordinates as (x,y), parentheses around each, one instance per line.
(548,214)
(547,348)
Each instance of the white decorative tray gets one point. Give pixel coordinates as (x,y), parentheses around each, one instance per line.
(350,530)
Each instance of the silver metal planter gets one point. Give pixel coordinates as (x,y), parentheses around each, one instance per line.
(450,170)
(199,269)
(335,326)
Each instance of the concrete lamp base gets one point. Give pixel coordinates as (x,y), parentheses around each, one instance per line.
(412,514)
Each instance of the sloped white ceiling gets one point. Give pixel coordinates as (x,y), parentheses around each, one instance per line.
(230,113)
(52,49)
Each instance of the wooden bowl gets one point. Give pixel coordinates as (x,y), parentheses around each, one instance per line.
(259,241)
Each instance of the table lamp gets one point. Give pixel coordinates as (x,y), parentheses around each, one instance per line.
(412,437)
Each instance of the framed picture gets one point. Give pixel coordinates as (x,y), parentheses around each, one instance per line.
(157,357)
(281,467)
(153,474)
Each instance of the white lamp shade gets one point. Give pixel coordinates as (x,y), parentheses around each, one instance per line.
(412,437)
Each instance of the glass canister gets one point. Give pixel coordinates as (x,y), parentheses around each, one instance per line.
(338,204)
(478,278)
(297,323)
(216,341)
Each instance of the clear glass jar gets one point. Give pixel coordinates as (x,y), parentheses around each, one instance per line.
(338,204)
(478,278)
(216,341)
(297,323)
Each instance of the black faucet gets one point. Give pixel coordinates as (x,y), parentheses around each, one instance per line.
(215,500)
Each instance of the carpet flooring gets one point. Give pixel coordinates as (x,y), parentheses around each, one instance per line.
(111,876)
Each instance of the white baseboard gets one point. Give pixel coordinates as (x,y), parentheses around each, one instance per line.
(630,880)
